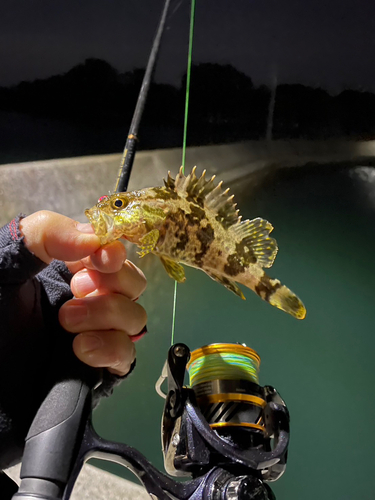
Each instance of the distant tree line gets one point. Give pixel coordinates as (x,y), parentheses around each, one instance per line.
(225,106)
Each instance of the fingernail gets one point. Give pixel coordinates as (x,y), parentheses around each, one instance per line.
(142,333)
(83,283)
(75,313)
(84,227)
(89,343)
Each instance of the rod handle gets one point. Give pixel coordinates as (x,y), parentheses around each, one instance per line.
(54,439)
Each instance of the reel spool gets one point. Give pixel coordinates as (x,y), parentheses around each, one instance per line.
(223,418)
(225,380)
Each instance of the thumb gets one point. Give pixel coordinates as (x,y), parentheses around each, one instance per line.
(53,236)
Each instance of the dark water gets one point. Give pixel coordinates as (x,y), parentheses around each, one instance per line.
(323,367)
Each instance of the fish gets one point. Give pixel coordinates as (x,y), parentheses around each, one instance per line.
(192,221)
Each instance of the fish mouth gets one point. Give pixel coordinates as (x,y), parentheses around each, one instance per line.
(102,224)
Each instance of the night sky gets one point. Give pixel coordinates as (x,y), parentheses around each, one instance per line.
(327,43)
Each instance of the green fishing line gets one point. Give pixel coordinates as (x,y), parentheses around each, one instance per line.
(174,311)
(188,72)
(226,366)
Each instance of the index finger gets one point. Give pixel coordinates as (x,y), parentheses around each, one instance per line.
(129,281)
(107,259)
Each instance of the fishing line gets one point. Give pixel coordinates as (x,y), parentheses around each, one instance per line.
(223,361)
(225,380)
(188,73)
(175,10)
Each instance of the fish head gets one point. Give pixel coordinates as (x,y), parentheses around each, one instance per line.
(112,216)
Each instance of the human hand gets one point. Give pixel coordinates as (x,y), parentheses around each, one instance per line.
(103,314)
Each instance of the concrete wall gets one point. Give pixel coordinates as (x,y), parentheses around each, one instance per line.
(70,185)
(97,484)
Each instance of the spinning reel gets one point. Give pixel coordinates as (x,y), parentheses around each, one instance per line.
(224,431)
(225,420)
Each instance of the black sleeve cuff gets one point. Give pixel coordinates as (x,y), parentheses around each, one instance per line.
(109,382)
(17,263)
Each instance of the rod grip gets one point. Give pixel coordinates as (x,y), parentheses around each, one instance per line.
(54,438)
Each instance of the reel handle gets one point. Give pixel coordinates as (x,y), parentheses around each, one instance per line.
(55,435)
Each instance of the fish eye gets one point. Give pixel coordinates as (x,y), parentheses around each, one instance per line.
(119,203)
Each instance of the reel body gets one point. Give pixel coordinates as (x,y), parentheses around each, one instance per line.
(225,419)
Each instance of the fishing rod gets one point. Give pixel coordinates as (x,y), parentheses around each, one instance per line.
(223,431)
(127,159)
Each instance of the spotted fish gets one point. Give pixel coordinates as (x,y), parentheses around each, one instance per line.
(192,221)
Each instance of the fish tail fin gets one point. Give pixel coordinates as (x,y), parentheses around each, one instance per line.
(278,295)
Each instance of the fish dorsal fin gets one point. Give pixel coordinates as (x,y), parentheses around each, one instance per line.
(170,182)
(205,193)
(256,235)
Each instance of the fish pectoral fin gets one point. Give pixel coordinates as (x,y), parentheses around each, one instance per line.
(231,285)
(174,269)
(256,241)
(148,242)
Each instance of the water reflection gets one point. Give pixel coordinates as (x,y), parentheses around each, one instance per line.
(365,177)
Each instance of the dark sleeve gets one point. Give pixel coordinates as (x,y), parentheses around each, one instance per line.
(17,264)
(33,346)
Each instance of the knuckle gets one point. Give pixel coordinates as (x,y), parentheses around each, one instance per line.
(115,360)
(144,319)
(139,274)
(44,218)
(116,311)
(43,214)
(140,316)
(122,354)
(143,282)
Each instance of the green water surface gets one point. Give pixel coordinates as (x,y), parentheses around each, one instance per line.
(324,219)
